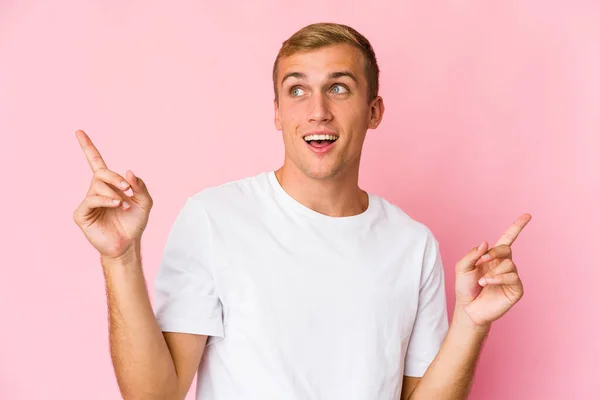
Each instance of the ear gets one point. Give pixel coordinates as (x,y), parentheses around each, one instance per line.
(277,115)
(377,109)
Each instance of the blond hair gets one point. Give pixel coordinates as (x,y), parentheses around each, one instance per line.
(322,34)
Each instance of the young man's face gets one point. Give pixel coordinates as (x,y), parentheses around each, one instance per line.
(324,92)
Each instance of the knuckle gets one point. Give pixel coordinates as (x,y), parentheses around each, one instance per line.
(105,174)
(98,175)
(101,171)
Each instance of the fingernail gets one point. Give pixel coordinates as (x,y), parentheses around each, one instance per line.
(486,257)
(125,204)
(124,184)
(481,245)
(116,201)
(482,281)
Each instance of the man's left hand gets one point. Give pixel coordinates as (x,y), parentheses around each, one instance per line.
(487,281)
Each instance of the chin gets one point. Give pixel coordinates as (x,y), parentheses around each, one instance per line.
(320,172)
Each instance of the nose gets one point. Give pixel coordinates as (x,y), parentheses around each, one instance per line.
(319,109)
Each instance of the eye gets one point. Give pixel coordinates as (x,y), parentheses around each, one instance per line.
(341,89)
(296,91)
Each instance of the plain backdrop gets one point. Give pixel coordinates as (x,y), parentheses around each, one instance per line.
(492,110)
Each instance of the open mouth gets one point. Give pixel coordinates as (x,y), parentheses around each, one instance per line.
(320,140)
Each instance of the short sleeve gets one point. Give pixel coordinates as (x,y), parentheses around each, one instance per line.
(186,297)
(431,322)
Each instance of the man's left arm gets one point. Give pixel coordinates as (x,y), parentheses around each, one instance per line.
(487,286)
(450,374)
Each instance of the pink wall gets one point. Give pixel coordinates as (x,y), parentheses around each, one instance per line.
(493,109)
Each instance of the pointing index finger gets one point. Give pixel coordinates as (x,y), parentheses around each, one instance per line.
(513,231)
(91,152)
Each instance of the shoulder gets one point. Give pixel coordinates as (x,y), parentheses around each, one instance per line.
(402,223)
(412,238)
(235,194)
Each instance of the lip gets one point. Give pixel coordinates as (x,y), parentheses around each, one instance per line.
(320,150)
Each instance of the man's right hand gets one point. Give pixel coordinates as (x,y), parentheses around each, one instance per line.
(112,221)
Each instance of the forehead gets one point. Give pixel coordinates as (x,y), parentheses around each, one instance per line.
(320,62)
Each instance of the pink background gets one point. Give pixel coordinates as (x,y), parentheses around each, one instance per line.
(493,109)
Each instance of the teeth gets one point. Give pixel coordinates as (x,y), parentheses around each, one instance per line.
(320,137)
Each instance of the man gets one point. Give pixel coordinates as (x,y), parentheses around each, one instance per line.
(295,283)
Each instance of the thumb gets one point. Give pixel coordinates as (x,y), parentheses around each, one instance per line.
(467,263)
(139,189)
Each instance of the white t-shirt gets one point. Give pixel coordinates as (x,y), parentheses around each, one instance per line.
(297,304)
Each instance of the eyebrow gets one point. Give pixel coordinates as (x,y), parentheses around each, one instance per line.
(333,75)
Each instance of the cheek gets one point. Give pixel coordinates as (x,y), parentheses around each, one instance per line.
(290,121)
(351,113)
(292,112)
(353,121)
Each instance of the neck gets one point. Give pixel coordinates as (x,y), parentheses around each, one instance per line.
(336,197)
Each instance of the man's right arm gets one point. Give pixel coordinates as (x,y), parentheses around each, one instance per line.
(148,364)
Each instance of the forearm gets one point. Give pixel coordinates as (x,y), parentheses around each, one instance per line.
(142,362)
(450,375)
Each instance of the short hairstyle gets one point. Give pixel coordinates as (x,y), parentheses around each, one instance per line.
(318,35)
